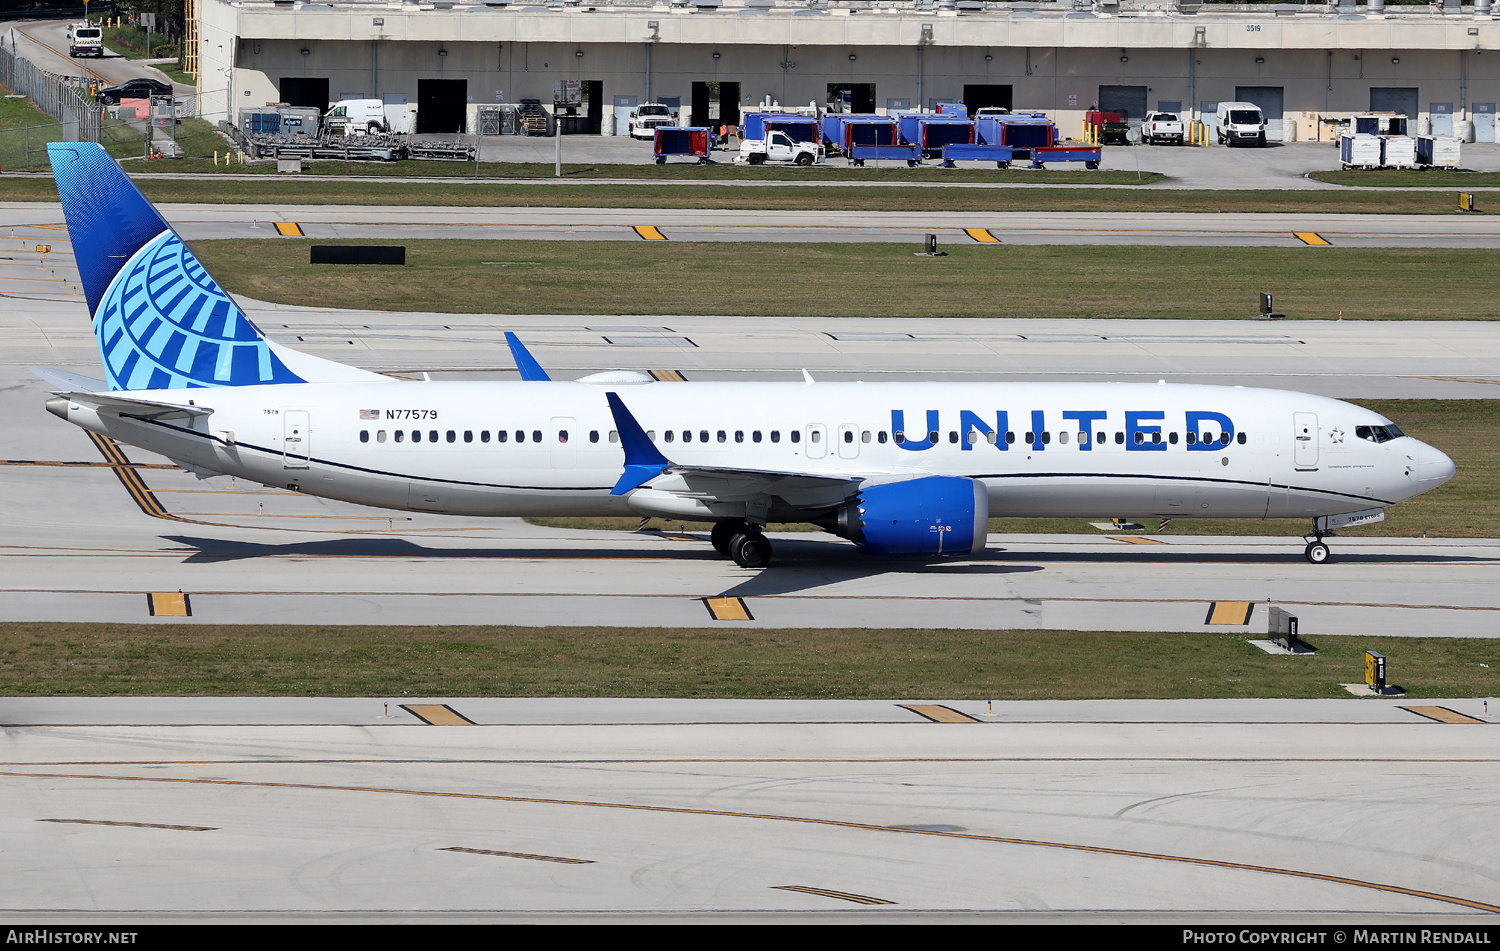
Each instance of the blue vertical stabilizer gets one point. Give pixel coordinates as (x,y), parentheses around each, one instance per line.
(161,319)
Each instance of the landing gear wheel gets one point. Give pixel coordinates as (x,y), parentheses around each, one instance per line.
(750,550)
(1316,553)
(723,533)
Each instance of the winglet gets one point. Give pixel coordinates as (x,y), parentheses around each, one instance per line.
(531,371)
(643,461)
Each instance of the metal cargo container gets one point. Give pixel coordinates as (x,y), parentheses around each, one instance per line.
(1359,150)
(681,140)
(846,131)
(1399,151)
(1019,132)
(300,121)
(800,128)
(931,133)
(1441,151)
(1378,123)
(262,121)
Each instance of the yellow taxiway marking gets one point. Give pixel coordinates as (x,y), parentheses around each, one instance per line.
(650,233)
(667,376)
(775,817)
(982,235)
(289,229)
(519,855)
(437,714)
(1229,612)
(938,713)
(1456,379)
(1311,237)
(728,609)
(169,604)
(1135,540)
(1443,715)
(830,893)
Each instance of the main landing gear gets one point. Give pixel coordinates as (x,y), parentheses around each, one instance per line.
(743,542)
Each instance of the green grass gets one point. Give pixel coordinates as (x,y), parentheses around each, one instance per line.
(1408,178)
(131,42)
(219,660)
(644,277)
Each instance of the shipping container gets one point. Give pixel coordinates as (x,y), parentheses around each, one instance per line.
(1438,151)
(1359,150)
(681,140)
(931,133)
(843,132)
(801,128)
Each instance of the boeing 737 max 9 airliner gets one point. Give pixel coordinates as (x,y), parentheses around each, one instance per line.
(901,469)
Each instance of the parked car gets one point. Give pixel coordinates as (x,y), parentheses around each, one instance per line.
(141,88)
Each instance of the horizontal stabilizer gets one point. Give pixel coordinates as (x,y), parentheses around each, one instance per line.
(137,409)
(64,380)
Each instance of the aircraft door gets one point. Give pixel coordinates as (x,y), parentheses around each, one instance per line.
(1305,440)
(563,430)
(296,446)
(817,441)
(848,441)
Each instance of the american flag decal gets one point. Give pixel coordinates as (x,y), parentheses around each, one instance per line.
(369,414)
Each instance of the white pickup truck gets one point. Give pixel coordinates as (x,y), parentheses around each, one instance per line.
(779,147)
(649,115)
(1160,127)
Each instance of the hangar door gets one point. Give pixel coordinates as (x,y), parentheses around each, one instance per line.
(1401,101)
(1269,98)
(305,91)
(1128,101)
(441,104)
(977,96)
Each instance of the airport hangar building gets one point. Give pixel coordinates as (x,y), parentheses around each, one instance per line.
(1305,66)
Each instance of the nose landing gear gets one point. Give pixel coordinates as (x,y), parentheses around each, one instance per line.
(1316,552)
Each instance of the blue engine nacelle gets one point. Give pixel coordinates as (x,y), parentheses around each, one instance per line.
(932,516)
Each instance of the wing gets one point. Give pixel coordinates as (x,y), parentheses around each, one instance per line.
(646,466)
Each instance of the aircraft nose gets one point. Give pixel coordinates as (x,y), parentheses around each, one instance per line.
(1433,466)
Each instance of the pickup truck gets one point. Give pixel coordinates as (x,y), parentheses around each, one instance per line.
(1160,127)
(779,147)
(649,115)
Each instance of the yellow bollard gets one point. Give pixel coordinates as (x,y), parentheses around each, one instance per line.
(216,158)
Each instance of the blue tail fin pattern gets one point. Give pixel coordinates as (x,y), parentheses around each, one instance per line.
(161,319)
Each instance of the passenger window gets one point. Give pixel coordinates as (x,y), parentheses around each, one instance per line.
(520,435)
(953,436)
(1046,438)
(536,435)
(501,435)
(992,438)
(1140,438)
(900,437)
(932,437)
(775,435)
(739,435)
(669,435)
(416,435)
(453,436)
(795,436)
(1172,438)
(1156,439)
(1119,439)
(881,436)
(703,435)
(755,436)
(1062,438)
(1083,438)
(1240,438)
(723,437)
(1010,438)
(614,435)
(432,435)
(364,435)
(468,435)
(651,435)
(687,435)
(815,436)
(848,435)
(400,435)
(1223,439)
(1031,437)
(1192,439)
(484,435)
(562,435)
(593,435)
(864,437)
(380,435)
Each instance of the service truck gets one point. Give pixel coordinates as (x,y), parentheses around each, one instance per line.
(647,116)
(85,39)
(1160,127)
(777,146)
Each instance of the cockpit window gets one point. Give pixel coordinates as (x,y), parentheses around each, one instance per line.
(1379,434)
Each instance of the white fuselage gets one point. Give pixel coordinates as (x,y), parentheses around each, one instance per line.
(1052,449)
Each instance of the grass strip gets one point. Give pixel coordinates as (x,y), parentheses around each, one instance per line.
(1467,507)
(813,280)
(1408,178)
(204,187)
(114,660)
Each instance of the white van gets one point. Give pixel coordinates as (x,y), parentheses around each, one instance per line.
(369,117)
(1240,123)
